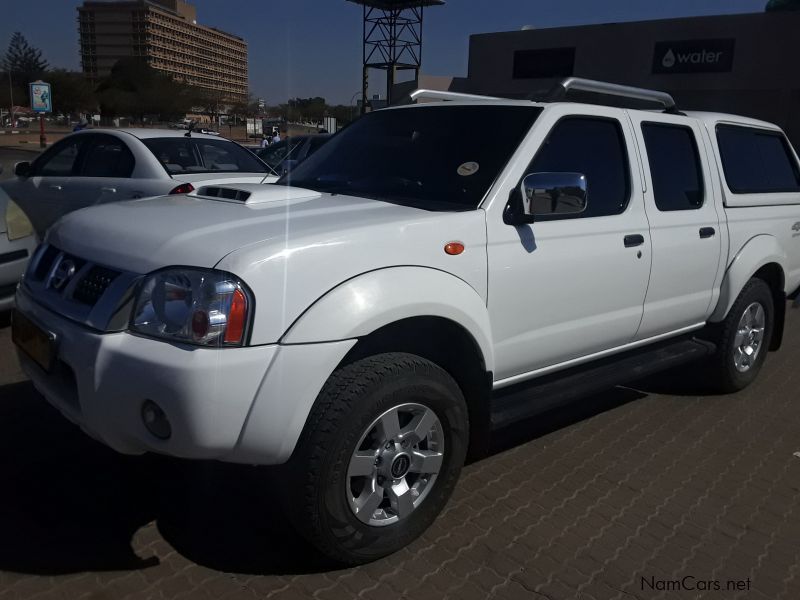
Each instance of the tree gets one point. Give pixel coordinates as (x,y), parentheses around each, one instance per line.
(72,92)
(135,89)
(304,109)
(23,60)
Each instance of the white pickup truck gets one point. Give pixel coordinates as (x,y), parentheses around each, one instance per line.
(369,320)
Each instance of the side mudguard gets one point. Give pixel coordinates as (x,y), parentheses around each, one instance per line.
(372,300)
(758,251)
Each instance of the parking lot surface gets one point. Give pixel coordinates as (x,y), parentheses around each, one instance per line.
(650,491)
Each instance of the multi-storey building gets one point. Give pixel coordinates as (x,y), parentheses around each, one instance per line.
(166,34)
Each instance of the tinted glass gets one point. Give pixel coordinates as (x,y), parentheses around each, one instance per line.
(595,148)
(276,153)
(431,156)
(181,155)
(60,160)
(755,160)
(674,166)
(316,143)
(107,156)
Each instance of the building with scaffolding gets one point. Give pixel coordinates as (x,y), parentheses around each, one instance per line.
(166,34)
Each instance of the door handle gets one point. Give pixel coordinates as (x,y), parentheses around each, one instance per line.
(109,189)
(631,241)
(707,232)
(56,187)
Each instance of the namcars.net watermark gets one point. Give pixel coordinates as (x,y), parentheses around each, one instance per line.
(690,583)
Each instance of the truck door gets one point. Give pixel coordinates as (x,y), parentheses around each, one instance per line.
(684,223)
(569,286)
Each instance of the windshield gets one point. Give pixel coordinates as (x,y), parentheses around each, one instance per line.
(182,155)
(436,157)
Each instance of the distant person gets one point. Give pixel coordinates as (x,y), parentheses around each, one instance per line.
(265,141)
(82,124)
(277,137)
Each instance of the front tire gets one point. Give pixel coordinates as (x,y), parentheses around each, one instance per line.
(379,457)
(743,338)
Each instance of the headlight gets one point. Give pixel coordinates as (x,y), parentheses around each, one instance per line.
(17,223)
(197,306)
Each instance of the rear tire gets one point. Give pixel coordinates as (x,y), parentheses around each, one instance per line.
(742,339)
(357,496)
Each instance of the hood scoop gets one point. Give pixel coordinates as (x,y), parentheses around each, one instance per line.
(251,194)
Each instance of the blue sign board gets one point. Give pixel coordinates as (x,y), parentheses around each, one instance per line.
(41,98)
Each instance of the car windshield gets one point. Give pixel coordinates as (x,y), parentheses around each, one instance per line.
(276,153)
(436,157)
(182,155)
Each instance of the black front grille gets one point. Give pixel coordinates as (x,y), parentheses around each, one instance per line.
(93,285)
(92,280)
(47,260)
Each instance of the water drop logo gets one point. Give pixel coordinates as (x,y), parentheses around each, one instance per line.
(669,59)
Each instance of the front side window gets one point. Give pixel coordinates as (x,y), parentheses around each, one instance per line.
(757,160)
(107,156)
(182,155)
(674,166)
(61,159)
(594,147)
(435,157)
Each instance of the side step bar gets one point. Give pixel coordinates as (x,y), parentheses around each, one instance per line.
(529,399)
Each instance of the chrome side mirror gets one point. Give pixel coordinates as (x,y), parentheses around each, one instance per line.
(553,194)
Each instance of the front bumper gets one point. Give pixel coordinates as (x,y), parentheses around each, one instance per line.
(14,256)
(234,404)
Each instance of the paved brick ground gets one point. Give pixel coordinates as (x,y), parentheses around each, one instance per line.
(602,499)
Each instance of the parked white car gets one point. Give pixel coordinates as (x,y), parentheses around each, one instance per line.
(413,287)
(17,243)
(96,166)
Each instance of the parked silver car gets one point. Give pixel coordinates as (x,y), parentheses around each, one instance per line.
(96,166)
(17,242)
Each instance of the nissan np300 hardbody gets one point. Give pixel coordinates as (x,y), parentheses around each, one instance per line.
(370,318)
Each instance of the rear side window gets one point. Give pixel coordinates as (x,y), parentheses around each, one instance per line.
(107,156)
(278,152)
(757,160)
(674,166)
(596,148)
(182,155)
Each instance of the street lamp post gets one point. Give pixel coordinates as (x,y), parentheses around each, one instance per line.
(11,97)
(352,99)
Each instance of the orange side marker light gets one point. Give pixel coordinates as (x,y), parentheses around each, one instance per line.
(454,248)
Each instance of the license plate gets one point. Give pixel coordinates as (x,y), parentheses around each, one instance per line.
(38,344)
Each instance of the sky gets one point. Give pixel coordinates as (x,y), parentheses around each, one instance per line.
(304,48)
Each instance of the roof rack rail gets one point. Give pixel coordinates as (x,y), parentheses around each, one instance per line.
(424,94)
(560,90)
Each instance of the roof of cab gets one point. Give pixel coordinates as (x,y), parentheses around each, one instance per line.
(709,118)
